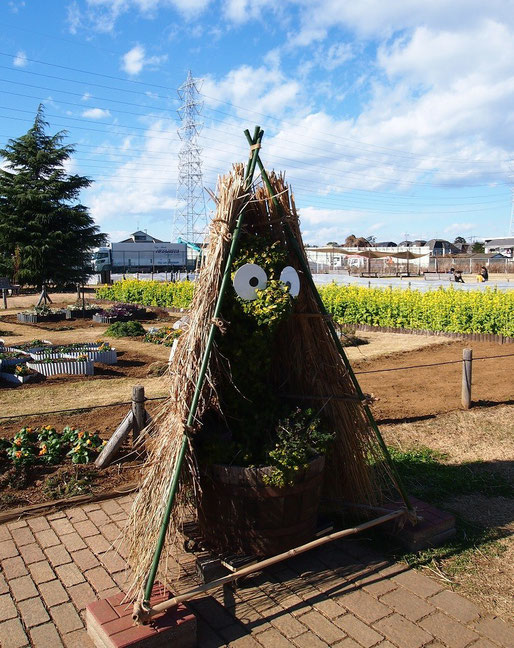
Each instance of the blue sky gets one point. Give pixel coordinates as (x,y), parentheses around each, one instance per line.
(389,118)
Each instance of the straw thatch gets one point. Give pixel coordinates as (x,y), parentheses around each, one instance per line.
(306,367)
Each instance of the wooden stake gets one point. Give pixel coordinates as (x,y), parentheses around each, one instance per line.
(467,359)
(138,410)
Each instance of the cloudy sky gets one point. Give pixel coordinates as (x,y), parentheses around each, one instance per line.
(393,119)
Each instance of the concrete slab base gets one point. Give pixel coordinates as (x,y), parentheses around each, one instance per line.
(109,624)
(434,528)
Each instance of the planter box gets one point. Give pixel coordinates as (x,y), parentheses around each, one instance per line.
(9,362)
(80,314)
(43,355)
(33,318)
(19,380)
(239,513)
(105,357)
(63,366)
(31,350)
(105,319)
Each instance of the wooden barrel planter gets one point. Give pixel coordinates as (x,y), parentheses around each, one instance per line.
(239,513)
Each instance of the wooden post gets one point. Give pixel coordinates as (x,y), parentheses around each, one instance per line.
(116,441)
(467,358)
(138,410)
(4,295)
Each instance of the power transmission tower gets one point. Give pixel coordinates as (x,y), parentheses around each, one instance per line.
(190,222)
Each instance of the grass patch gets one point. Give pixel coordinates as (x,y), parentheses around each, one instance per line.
(427,477)
(69,481)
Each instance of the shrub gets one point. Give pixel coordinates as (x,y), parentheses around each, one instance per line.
(125,329)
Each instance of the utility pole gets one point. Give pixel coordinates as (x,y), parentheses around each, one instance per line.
(190,221)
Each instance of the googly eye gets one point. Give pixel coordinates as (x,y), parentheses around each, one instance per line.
(290,277)
(248,279)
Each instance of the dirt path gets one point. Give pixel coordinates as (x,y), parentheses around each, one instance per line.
(423,392)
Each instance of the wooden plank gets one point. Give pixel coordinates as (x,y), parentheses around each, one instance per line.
(45,507)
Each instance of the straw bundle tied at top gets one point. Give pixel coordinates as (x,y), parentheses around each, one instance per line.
(167,432)
(306,362)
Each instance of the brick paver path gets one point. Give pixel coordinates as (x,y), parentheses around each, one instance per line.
(341,595)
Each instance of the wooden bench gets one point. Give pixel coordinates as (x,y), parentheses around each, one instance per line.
(438,276)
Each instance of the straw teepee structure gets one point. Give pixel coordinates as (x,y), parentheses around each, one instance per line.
(307,365)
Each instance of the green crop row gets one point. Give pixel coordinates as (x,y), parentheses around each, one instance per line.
(176,294)
(444,309)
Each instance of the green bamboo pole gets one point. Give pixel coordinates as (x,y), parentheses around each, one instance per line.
(250,169)
(305,267)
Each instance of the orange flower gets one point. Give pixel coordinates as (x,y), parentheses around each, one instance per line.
(17,442)
(43,450)
(80,435)
(18,454)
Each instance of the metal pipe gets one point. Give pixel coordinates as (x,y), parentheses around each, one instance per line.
(203,369)
(143,616)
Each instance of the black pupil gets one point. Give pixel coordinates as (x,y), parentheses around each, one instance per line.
(288,284)
(254,281)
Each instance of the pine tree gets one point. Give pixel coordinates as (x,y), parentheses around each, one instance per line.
(44,230)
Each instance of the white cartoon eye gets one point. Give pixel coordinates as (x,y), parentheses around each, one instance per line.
(290,277)
(248,279)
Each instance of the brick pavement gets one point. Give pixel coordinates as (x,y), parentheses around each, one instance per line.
(342,595)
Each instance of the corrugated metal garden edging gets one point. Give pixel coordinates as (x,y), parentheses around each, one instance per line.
(477,337)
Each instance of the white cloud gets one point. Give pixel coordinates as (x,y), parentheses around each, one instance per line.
(101,15)
(96,113)
(135,60)
(20,60)
(459,228)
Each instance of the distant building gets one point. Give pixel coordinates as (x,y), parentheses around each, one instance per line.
(440,247)
(504,246)
(141,237)
(385,244)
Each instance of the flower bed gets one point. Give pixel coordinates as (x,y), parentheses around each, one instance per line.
(176,294)
(65,365)
(165,335)
(31,347)
(46,446)
(96,352)
(119,313)
(8,358)
(76,311)
(41,314)
(18,374)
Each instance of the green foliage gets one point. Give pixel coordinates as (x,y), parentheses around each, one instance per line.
(299,438)
(125,329)
(46,235)
(46,446)
(149,293)
(449,310)
(273,304)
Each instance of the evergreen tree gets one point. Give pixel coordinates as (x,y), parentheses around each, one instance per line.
(46,235)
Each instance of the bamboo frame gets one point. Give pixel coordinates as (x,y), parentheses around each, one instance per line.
(255,144)
(143,615)
(305,267)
